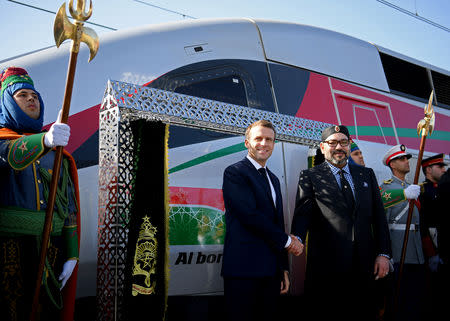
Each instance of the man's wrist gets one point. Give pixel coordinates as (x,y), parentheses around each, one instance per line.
(288,242)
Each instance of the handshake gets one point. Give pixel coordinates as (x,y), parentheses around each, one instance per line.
(296,247)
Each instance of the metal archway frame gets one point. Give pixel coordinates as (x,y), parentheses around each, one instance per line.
(123,103)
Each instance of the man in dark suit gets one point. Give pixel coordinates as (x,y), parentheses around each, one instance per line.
(340,214)
(255,256)
(443,196)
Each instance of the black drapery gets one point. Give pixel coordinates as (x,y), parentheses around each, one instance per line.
(146,278)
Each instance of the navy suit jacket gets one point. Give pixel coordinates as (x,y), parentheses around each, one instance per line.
(255,236)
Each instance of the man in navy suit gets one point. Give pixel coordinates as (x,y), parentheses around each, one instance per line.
(255,256)
(339,207)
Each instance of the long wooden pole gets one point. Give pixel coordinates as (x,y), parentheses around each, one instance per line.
(424,128)
(408,224)
(64,30)
(53,185)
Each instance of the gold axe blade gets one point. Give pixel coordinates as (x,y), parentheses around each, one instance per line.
(426,125)
(63,29)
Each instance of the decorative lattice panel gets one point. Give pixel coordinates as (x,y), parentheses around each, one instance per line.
(189,111)
(115,181)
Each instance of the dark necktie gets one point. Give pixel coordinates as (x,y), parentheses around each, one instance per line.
(263,172)
(347,191)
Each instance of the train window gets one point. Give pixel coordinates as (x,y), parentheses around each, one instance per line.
(227,84)
(441,85)
(239,82)
(290,85)
(233,81)
(405,78)
(228,89)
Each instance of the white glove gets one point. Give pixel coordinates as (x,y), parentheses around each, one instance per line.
(67,271)
(412,192)
(433,263)
(58,135)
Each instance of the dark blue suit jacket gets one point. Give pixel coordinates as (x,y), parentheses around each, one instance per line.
(255,237)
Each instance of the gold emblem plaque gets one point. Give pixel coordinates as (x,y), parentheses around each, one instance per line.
(145,259)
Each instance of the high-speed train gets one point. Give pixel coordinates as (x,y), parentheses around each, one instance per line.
(287,68)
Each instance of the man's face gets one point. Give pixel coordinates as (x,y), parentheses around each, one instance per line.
(434,172)
(260,143)
(357,157)
(336,155)
(28,101)
(400,165)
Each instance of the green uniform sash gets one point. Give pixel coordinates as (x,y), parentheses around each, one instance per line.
(21,221)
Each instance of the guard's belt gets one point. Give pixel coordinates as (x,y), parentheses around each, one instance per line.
(402,227)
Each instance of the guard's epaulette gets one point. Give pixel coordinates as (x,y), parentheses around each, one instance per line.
(422,186)
(388,181)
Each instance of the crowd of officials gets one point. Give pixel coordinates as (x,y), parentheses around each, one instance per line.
(350,228)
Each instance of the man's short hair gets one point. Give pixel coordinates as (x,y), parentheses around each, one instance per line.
(263,123)
(390,167)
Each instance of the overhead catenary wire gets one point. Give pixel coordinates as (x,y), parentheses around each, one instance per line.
(414,15)
(165,9)
(53,12)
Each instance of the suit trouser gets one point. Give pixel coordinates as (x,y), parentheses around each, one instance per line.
(437,308)
(412,297)
(347,299)
(252,298)
(348,295)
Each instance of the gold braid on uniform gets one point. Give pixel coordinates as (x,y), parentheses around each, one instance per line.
(11,279)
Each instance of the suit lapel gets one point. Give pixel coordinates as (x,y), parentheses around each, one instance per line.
(260,179)
(327,181)
(358,181)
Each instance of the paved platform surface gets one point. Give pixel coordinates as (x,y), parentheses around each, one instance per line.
(189,308)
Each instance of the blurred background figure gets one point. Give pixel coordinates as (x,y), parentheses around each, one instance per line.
(433,168)
(356,155)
